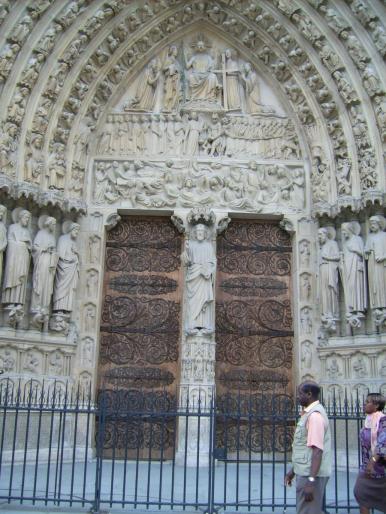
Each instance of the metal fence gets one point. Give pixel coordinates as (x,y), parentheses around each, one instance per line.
(57,448)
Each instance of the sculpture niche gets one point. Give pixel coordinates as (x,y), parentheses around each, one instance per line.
(200,262)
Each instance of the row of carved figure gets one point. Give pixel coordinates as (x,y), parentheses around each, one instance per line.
(358,365)
(135,20)
(169,184)
(222,82)
(363,286)
(55,268)
(173,134)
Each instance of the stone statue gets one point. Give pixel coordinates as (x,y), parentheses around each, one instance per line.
(375,251)
(18,259)
(67,272)
(353,268)
(252,89)
(231,89)
(306,354)
(202,81)
(147,88)
(172,80)
(3,236)
(200,261)
(45,260)
(329,258)
(192,135)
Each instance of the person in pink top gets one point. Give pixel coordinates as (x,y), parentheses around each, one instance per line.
(311,452)
(370,486)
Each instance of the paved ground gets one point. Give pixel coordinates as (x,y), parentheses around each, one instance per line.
(160,484)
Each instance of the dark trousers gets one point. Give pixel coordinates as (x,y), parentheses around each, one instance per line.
(315,506)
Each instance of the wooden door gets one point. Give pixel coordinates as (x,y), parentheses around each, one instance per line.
(253,327)
(140,332)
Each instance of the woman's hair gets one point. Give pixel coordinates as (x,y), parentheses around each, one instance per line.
(377,398)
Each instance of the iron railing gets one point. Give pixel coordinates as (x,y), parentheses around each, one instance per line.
(58,448)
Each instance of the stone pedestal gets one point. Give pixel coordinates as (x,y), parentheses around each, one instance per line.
(196,395)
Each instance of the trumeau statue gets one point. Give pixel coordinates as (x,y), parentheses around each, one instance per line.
(353,269)
(375,251)
(45,260)
(67,272)
(200,262)
(328,275)
(18,259)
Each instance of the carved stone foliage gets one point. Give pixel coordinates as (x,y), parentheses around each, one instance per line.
(140,321)
(253,315)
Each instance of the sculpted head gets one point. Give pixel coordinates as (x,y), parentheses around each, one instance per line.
(3,212)
(201,232)
(74,230)
(50,224)
(173,50)
(322,235)
(377,223)
(200,46)
(24,218)
(346,230)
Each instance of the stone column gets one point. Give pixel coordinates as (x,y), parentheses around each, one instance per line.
(198,345)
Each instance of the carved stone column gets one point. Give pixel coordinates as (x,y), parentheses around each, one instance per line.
(198,345)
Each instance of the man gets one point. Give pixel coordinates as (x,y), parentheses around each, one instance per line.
(311,452)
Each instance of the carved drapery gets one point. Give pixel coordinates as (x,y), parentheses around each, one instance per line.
(140,327)
(253,328)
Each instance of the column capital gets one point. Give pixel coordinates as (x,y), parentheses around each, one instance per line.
(185,220)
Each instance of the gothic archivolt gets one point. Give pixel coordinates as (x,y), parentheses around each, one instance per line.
(278,107)
(325,58)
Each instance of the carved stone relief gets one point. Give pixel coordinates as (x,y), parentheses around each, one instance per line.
(245,186)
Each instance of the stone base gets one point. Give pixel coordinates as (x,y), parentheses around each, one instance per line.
(353,366)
